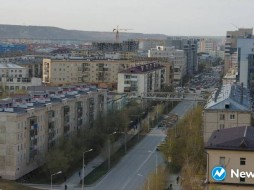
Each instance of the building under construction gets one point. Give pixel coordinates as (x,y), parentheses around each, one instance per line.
(127,46)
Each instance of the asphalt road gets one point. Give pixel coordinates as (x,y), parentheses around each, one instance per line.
(134,168)
(131,172)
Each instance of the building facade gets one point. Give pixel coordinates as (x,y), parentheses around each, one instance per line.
(245,50)
(228,107)
(66,71)
(231,45)
(175,56)
(190,47)
(232,149)
(141,79)
(32,124)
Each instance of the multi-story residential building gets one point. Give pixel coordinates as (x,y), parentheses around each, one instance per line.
(67,71)
(175,56)
(168,63)
(231,45)
(140,79)
(232,149)
(13,84)
(207,45)
(14,77)
(190,46)
(228,107)
(32,124)
(245,51)
(190,50)
(33,64)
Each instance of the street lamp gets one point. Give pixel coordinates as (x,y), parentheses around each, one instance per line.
(109,149)
(52,176)
(83,169)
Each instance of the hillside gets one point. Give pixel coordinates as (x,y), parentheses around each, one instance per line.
(46,32)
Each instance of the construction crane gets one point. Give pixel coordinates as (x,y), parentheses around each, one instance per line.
(117,29)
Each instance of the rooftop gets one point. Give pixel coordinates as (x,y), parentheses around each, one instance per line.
(143,68)
(10,66)
(236,138)
(39,96)
(231,97)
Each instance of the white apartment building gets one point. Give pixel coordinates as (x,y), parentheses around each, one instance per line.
(14,77)
(228,107)
(32,124)
(141,79)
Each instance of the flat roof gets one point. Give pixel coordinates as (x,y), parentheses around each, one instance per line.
(10,66)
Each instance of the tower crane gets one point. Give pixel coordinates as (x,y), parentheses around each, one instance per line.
(117,29)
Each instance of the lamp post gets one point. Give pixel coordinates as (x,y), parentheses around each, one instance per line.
(52,176)
(83,169)
(109,149)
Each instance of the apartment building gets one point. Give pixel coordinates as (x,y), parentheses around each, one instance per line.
(67,71)
(190,47)
(141,79)
(14,77)
(175,56)
(245,49)
(228,107)
(232,149)
(32,124)
(231,45)
(207,45)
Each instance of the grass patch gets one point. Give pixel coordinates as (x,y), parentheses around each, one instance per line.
(12,185)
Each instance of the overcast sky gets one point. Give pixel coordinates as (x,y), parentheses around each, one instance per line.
(170,17)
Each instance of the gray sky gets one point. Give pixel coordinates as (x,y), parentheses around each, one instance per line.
(170,17)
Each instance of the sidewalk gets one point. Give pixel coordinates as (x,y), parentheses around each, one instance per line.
(74,180)
(173,181)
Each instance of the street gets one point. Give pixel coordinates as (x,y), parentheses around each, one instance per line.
(134,168)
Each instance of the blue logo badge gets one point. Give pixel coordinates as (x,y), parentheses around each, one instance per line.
(219,173)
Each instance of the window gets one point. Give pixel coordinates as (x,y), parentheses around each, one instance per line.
(222,116)
(232,116)
(222,126)
(242,161)
(222,161)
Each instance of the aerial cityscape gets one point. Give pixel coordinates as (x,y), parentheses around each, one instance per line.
(126,95)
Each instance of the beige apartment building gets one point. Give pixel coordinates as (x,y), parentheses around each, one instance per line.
(228,107)
(232,149)
(30,125)
(66,71)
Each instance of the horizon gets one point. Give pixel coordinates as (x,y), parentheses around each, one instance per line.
(169,17)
